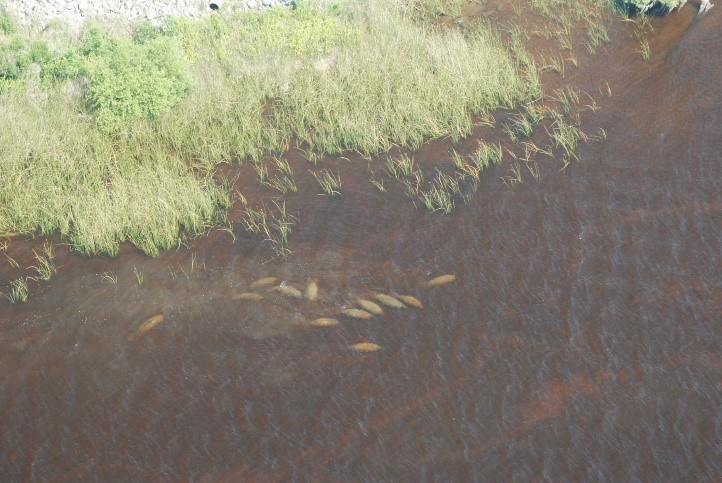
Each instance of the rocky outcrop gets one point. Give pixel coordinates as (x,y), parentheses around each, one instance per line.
(40,12)
(658,7)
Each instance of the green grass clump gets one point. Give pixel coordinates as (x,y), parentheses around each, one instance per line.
(58,173)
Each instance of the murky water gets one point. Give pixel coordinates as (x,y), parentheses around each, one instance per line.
(580,340)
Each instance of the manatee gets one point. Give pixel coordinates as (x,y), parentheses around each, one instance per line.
(356,313)
(324,322)
(290,291)
(311,290)
(372,307)
(263,282)
(440,280)
(389,301)
(146,326)
(365,347)
(411,301)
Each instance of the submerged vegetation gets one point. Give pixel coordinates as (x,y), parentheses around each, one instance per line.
(112,137)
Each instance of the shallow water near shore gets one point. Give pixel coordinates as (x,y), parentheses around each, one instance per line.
(580,339)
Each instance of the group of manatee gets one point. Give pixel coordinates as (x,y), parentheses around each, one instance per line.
(363,308)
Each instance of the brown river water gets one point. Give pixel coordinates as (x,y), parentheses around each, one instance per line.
(581,339)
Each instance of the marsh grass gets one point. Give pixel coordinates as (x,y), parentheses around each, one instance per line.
(45,267)
(102,154)
(95,152)
(283,182)
(275,226)
(109,277)
(330,183)
(566,137)
(18,291)
(138,276)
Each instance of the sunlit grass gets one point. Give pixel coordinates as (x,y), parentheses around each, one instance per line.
(330,183)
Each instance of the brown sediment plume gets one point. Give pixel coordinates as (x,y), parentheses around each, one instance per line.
(146,326)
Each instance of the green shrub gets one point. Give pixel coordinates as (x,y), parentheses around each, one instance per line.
(7,26)
(131,82)
(18,54)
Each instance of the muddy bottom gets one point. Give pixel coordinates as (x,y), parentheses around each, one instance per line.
(579,340)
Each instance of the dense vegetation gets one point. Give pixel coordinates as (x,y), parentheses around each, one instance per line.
(112,136)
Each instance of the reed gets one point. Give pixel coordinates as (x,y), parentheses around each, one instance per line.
(330,182)
(18,291)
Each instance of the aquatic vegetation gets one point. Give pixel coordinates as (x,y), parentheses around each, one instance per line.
(389,301)
(440,195)
(283,183)
(138,275)
(275,226)
(18,291)
(644,49)
(440,280)
(330,183)
(146,326)
(515,178)
(365,347)
(400,167)
(411,301)
(566,137)
(45,267)
(486,155)
(120,133)
(370,307)
(356,313)
(109,277)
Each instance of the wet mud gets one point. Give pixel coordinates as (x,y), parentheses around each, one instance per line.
(579,338)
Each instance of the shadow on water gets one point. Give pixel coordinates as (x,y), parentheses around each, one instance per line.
(580,339)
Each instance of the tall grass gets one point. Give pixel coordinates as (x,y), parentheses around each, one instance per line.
(104,158)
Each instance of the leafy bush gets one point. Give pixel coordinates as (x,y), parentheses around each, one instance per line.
(18,54)
(7,26)
(131,81)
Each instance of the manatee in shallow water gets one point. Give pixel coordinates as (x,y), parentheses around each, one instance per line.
(290,291)
(365,347)
(311,290)
(411,301)
(263,282)
(370,306)
(146,326)
(357,313)
(324,322)
(389,301)
(440,280)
